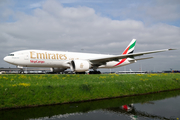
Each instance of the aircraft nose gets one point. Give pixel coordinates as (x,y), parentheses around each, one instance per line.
(6,59)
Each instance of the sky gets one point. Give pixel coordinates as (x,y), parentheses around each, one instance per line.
(93,26)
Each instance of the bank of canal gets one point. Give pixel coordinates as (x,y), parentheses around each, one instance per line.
(35,90)
(163,105)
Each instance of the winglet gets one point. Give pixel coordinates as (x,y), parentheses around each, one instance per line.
(130,47)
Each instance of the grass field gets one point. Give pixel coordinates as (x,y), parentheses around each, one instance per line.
(32,90)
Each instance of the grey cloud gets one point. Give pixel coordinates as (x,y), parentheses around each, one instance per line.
(165,13)
(149,11)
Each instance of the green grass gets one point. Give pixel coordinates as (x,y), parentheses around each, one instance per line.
(33,90)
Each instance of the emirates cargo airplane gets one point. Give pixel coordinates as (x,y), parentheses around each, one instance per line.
(77,62)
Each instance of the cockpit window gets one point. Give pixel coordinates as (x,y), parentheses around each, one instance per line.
(11,55)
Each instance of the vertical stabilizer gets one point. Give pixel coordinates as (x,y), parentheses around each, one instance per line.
(130,47)
(128,50)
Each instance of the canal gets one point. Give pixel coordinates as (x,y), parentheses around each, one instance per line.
(159,106)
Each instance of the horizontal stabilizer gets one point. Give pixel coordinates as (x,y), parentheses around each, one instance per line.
(144,58)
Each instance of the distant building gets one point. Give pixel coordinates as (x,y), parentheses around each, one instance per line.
(131,72)
(168,71)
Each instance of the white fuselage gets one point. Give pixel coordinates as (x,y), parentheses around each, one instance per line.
(55,59)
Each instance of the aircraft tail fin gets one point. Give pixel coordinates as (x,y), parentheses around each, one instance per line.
(130,47)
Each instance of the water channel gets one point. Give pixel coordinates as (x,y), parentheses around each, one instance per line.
(159,106)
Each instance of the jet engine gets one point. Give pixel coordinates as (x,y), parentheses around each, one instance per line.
(80,65)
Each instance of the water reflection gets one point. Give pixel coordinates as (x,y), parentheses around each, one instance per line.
(131,111)
(119,108)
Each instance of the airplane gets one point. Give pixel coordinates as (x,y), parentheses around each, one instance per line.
(78,62)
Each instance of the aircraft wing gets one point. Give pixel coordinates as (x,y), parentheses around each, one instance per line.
(101,61)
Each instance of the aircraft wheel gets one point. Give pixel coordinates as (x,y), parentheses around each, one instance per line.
(94,72)
(80,72)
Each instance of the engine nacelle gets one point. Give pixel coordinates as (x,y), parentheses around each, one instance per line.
(80,65)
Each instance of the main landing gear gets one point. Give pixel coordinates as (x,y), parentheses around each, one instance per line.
(80,72)
(94,72)
(90,72)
